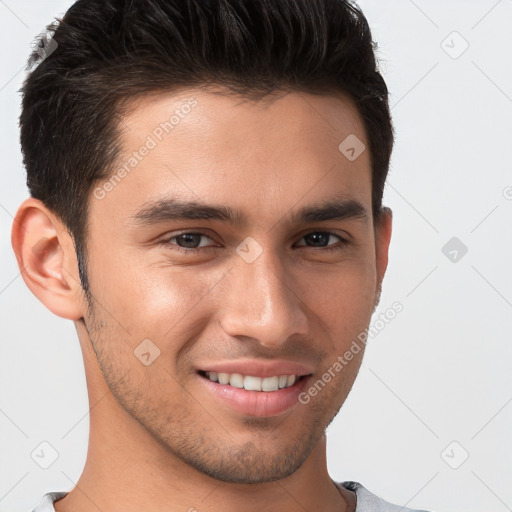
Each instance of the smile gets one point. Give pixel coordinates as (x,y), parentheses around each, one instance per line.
(251,382)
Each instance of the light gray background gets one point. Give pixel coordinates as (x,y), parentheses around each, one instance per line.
(438,373)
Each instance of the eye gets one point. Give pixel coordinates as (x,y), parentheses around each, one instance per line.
(189,241)
(320,239)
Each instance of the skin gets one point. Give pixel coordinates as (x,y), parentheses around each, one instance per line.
(158,424)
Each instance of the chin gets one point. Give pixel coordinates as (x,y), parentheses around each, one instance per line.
(250,466)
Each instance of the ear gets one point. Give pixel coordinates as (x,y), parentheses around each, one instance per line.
(383,228)
(47,260)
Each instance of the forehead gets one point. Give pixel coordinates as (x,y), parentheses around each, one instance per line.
(261,157)
(216,114)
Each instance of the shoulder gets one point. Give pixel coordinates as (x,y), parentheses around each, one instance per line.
(47,501)
(369,502)
(366,500)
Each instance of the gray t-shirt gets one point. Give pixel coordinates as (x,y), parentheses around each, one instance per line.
(366,501)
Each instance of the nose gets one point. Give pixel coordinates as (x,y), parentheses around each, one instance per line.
(264,303)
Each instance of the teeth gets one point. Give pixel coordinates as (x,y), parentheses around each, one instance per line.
(270,383)
(236,380)
(251,383)
(223,377)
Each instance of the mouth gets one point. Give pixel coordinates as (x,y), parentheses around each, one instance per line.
(271,393)
(252,382)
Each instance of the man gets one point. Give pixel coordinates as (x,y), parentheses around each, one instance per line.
(206,185)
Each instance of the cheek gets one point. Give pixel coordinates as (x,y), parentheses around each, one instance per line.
(159,302)
(342,297)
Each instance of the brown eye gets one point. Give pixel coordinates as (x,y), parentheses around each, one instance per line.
(320,239)
(187,242)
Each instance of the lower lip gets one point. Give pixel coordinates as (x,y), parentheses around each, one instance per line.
(257,403)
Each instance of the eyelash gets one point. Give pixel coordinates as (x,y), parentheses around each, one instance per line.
(334,247)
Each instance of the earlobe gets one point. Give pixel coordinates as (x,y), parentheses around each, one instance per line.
(46,258)
(383,229)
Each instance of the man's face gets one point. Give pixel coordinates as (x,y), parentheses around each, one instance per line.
(266,295)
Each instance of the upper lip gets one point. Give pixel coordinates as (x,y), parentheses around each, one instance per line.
(258,367)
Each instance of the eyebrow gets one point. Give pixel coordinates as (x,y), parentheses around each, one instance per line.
(166,209)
